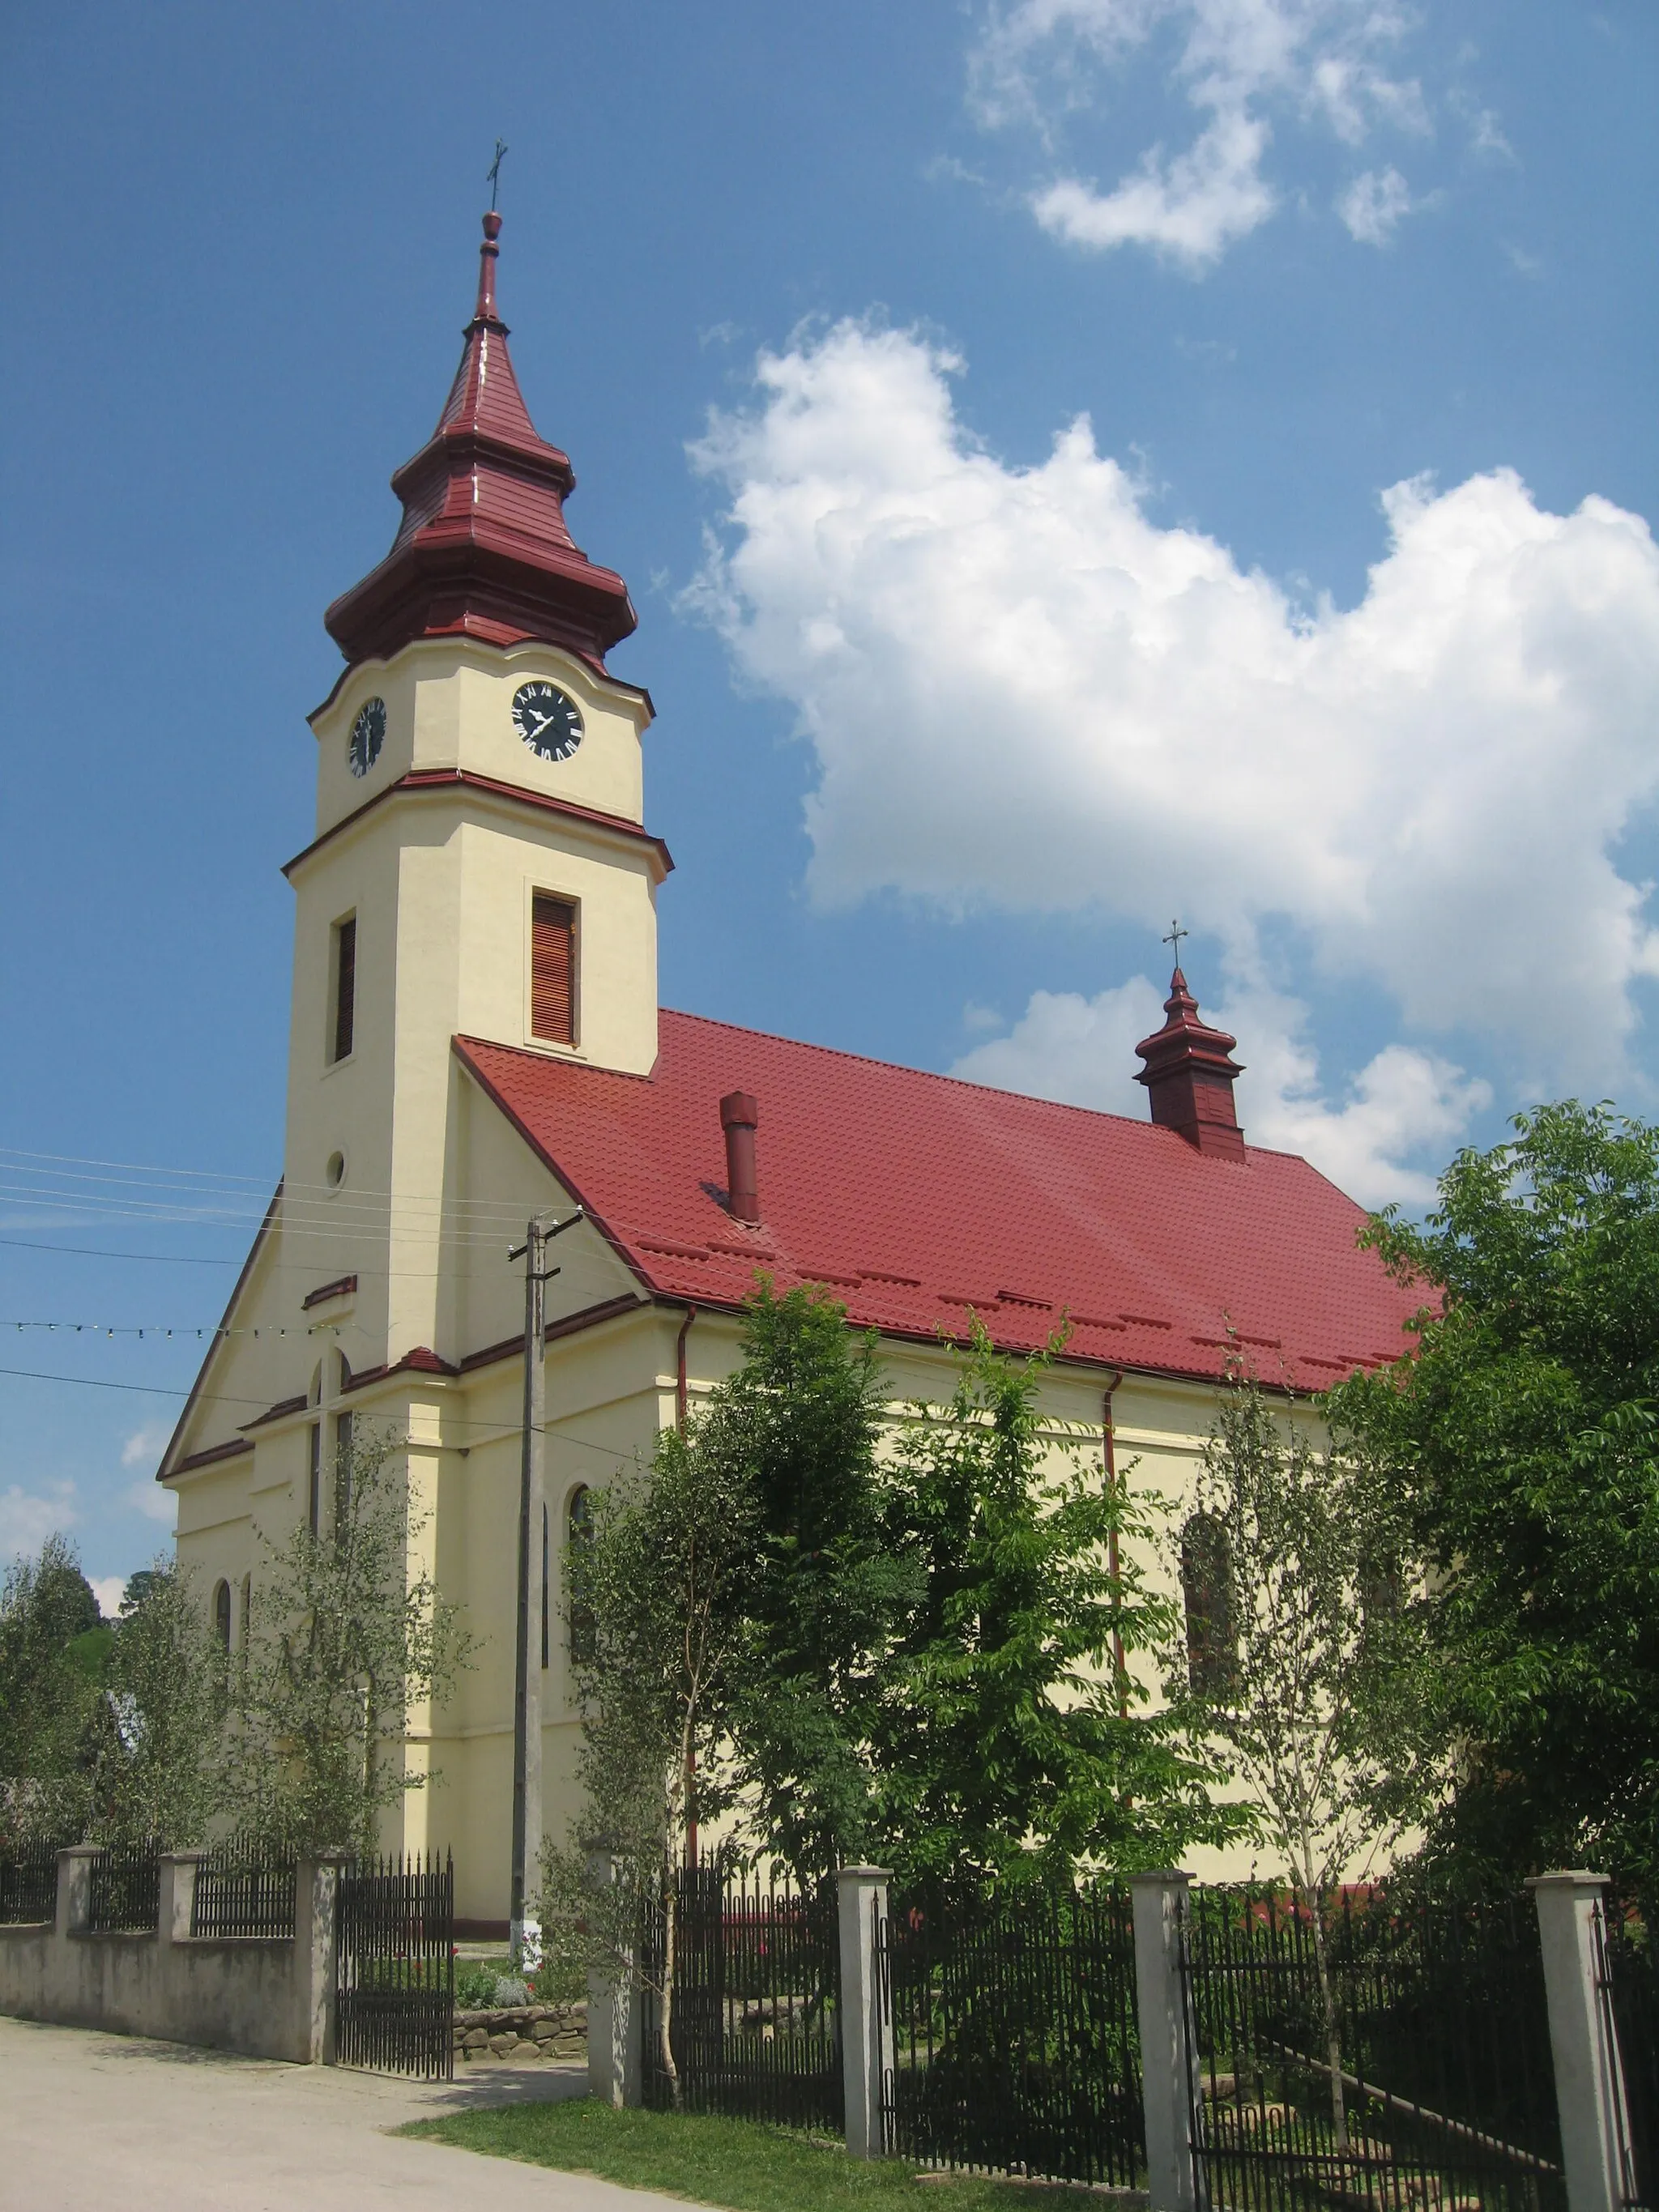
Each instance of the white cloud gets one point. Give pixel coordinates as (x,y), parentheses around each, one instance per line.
(1405,1106)
(108,1590)
(28,1518)
(155,1502)
(1194,207)
(1373,205)
(1315,60)
(144,1447)
(1025,693)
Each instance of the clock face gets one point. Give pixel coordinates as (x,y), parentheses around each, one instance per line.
(367,736)
(547,720)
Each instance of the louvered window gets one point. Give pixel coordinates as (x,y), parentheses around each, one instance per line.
(553,970)
(345,985)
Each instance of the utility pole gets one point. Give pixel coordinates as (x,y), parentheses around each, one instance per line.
(525,1934)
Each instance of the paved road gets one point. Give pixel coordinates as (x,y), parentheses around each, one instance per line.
(91,2122)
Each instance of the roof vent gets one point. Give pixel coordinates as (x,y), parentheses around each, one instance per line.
(739,1113)
(1190,1076)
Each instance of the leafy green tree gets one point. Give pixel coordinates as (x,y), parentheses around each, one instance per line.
(1304,1654)
(160,1772)
(662,1586)
(52,1648)
(802,1418)
(343,1642)
(1009,1745)
(1522,1437)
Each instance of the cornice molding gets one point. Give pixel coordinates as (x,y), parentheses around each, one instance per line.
(421,782)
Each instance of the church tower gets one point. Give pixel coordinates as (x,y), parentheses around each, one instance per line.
(480,866)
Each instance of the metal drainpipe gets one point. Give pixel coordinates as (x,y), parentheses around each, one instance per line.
(1111,1541)
(679,1369)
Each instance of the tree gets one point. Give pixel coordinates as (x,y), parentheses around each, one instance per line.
(342,1641)
(801,1419)
(161,1772)
(1521,1437)
(52,1649)
(1304,1654)
(662,1585)
(1010,1744)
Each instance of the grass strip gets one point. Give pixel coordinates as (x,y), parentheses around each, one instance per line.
(737,2164)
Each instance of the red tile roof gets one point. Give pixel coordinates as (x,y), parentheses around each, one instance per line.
(915,1196)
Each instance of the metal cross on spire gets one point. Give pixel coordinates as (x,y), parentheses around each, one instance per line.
(492,173)
(1177,933)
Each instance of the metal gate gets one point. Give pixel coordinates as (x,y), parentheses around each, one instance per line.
(394,1974)
(754,2028)
(1441,2087)
(1015,2045)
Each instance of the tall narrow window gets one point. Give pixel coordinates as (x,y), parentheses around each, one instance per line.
(341,1469)
(345,985)
(545,1525)
(316,1515)
(247,1610)
(552,970)
(1207,1587)
(222,1614)
(579,1527)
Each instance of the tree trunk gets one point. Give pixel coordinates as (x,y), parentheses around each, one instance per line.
(670,1930)
(1333,2033)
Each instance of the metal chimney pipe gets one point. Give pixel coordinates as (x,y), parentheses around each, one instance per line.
(739,1113)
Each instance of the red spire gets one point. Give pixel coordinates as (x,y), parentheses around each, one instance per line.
(483,550)
(1190,1076)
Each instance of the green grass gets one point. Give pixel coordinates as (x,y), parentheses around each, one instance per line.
(734,2163)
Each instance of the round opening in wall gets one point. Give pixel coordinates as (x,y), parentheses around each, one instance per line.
(335,1171)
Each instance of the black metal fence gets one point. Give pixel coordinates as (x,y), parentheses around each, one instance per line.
(29,1883)
(1627,1978)
(244,1889)
(395,1966)
(126,1889)
(1440,2088)
(754,2023)
(1015,2042)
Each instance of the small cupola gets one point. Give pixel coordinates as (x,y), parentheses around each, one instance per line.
(1189,1076)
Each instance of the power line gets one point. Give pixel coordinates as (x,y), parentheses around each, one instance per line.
(97,1252)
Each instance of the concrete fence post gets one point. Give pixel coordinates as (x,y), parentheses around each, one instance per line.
(866,2022)
(1590,2087)
(74,1914)
(177,1907)
(614,2070)
(316,1913)
(1167,2058)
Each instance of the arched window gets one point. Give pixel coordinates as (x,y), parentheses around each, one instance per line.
(1206,1588)
(222,1613)
(579,1530)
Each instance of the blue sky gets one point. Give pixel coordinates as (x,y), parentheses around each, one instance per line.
(1077,463)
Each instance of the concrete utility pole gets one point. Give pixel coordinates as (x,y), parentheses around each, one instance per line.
(524,1931)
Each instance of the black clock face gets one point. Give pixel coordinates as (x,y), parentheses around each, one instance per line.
(549,721)
(367,736)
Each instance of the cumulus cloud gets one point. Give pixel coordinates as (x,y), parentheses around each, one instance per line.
(144,1447)
(1023,692)
(28,1518)
(1319,61)
(1404,1103)
(1373,204)
(108,1590)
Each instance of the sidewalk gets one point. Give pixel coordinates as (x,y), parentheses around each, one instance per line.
(89,2121)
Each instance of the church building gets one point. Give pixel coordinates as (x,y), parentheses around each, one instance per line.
(474,1038)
